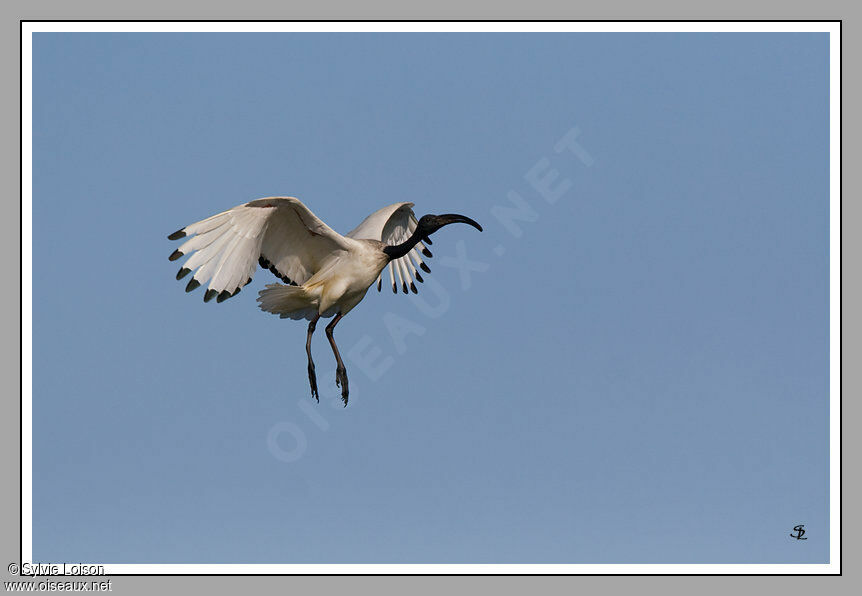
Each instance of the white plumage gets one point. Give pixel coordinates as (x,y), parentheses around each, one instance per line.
(393,225)
(327,274)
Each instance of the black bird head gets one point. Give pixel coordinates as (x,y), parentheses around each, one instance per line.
(427,225)
(431,223)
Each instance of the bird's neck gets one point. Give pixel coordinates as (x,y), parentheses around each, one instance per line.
(399,250)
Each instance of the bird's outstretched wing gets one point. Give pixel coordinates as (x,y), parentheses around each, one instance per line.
(280,233)
(393,225)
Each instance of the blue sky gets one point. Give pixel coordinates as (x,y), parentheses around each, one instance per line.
(640,376)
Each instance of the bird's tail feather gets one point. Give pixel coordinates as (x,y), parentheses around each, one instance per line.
(289,302)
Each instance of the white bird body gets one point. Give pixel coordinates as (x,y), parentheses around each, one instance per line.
(339,285)
(327,274)
(344,283)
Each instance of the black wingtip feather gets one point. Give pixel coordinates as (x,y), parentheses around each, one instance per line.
(262,260)
(427,241)
(193,285)
(394,288)
(427,253)
(418,277)
(379,284)
(404,286)
(183,272)
(210,294)
(175,255)
(424,268)
(222,296)
(178,234)
(413,288)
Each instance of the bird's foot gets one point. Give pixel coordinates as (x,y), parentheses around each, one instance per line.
(312,380)
(341,381)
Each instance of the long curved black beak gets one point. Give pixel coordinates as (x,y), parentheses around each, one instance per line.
(450,218)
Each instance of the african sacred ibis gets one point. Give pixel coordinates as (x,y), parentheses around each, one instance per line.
(327,274)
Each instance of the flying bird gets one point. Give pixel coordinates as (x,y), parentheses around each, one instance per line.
(325,274)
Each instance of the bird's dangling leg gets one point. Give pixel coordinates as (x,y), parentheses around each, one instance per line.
(340,371)
(312,378)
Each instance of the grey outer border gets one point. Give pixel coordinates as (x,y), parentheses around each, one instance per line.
(389,9)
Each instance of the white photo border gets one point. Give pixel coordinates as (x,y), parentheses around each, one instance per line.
(832,27)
